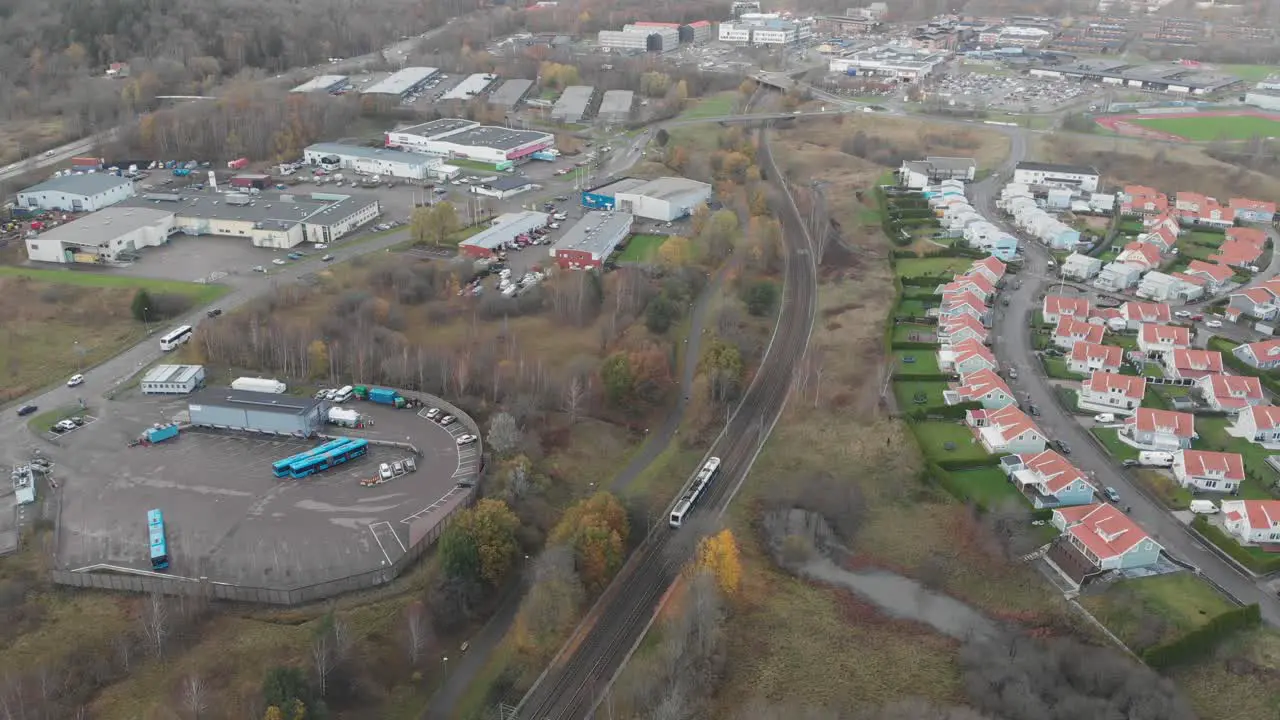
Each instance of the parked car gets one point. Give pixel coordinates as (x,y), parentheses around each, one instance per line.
(327,258)
(1213,323)
(75,380)
(278,261)
(384,471)
(1062,446)
(433,413)
(258,268)
(214,312)
(1182,314)
(1104,418)
(466,439)
(26,410)
(1130,463)
(1111,494)
(447,420)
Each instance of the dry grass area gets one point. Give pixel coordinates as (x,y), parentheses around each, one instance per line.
(28,138)
(1240,682)
(1169,167)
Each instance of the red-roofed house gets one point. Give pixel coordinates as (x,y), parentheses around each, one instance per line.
(1167,221)
(1231,393)
(1142,200)
(1252,522)
(1206,470)
(962,303)
(990,266)
(1197,209)
(1252,210)
(1144,256)
(977,283)
(1109,318)
(1263,355)
(1047,479)
(1247,235)
(1113,393)
(1258,424)
(1007,430)
(1236,254)
(983,386)
(1154,338)
(960,328)
(1257,302)
(1191,364)
(1215,276)
(1087,357)
(1135,313)
(1071,331)
(1096,538)
(1162,237)
(966,357)
(1056,307)
(1166,430)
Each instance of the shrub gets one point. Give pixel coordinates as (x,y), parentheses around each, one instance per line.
(1200,642)
(761,297)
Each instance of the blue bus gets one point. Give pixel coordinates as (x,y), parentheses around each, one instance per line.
(319,463)
(159,546)
(281,467)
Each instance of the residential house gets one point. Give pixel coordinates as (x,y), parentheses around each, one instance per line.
(1208,470)
(962,303)
(1258,302)
(1096,538)
(982,386)
(1197,209)
(1258,424)
(1157,339)
(1087,357)
(1247,235)
(1163,287)
(1112,392)
(1007,430)
(1191,364)
(993,268)
(1047,479)
(1263,355)
(1165,222)
(1215,276)
(1161,237)
(1070,331)
(1166,430)
(118,70)
(1142,200)
(1056,307)
(960,328)
(1231,393)
(1252,522)
(1247,210)
(1135,313)
(977,283)
(966,358)
(1108,318)
(1237,254)
(1081,267)
(1117,277)
(1144,256)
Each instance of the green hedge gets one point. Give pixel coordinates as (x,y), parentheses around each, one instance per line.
(1228,545)
(927,377)
(970,463)
(1043,514)
(926,280)
(1200,642)
(909,345)
(946,412)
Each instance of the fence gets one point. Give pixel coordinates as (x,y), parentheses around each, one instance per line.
(421,537)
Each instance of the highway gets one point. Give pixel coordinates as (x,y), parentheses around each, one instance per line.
(572,685)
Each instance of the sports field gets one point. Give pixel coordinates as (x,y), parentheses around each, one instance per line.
(1204,127)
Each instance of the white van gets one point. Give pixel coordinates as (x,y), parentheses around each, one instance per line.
(1203,507)
(342,395)
(1152,458)
(1104,418)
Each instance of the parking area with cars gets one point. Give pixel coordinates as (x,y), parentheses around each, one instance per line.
(1012,92)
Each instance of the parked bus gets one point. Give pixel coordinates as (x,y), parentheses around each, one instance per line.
(281,467)
(343,394)
(686,502)
(177,337)
(319,463)
(159,546)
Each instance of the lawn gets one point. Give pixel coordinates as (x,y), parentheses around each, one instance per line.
(1191,251)
(200,293)
(1164,487)
(642,248)
(905,391)
(1250,73)
(910,308)
(1110,437)
(1056,367)
(473,164)
(923,362)
(934,437)
(987,486)
(914,332)
(1259,475)
(1128,342)
(1145,611)
(1220,127)
(713,106)
(930,266)
(1213,239)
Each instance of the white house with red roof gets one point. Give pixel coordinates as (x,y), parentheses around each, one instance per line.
(1113,393)
(1056,307)
(992,267)
(1196,209)
(962,303)
(1108,318)
(1248,210)
(1263,355)
(1047,479)
(1007,430)
(1252,522)
(1231,393)
(1165,430)
(1135,313)
(1096,538)
(1208,470)
(1144,256)
(1166,221)
(976,283)
(1237,255)
(1161,237)
(1215,276)
(1192,364)
(1258,424)
(982,386)
(1087,357)
(1142,200)
(1162,287)
(1071,331)
(960,328)
(1154,339)
(1260,302)
(966,357)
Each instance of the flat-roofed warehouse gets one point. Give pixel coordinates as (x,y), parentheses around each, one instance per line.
(77,193)
(228,409)
(375,161)
(103,236)
(172,379)
(615,106)
(664,199)
(402,82)
(510,93)
(453,138)
(324,83)
(505,229)
(605,197)
(1162,77)
(470,87)
(573,103)
(592,240)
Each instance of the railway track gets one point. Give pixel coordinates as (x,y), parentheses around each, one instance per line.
(571,687)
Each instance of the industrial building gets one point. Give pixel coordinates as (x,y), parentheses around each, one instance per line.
(510,93)
(376,161)
(616,106)
(604,197)
(102,236)
(664,199)
(454,138)
(504,229)
(642,37)
(890,61)
(228,409)
(592,240)
(324,83)
(1162,77)
(173,380)
(273,220)
(1263,99)
(502,187)
(764,29)
(401,83)
(77,193)
(472,86)
(573,104)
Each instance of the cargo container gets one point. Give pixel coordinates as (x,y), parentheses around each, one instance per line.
(386,396)
(343,417)
(85,163)
(252,181)
(238,164)
(160,433)
(262,385)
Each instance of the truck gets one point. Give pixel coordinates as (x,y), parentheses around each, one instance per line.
(160,433)
(86,163)
(238,164)
(546,155)
(1153,458)
(181,172)
(262,385)
(387,396)
(344,417)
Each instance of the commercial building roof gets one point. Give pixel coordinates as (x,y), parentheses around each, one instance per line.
(510,93)
(473,85)
(496,137)
(255,401)
(617,102)
(596,233)
(386,154)
(617,186)
(573,103)
(108,223)
(439,128)
(1056,168)
(668,188)
(86,184)
(282,209)
(171,373)
(322,83)
(507,182)
(401,81)
(506,227)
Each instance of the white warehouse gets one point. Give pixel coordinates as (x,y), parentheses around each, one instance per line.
(102,236)
(456,138)
(77,193)
(376,161)
(664,199)
(172,380)
(1041,174)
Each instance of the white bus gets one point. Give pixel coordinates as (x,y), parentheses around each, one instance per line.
(342,395)
(177,337)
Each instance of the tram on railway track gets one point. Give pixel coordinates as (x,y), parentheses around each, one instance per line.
(701,482)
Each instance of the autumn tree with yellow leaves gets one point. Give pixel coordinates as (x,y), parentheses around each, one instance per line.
(719,555)
(596,529)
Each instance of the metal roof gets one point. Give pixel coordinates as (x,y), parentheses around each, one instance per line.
(283,210)
(471,86)
(255,401)
(438,128)
(597,233)
(88,184)
(505,182)
(573,103)
(1056,167)
(401,81)
(172,373)
(510,93)
(617,102)
(506,227)
(669,188)
(617,186)
(497,138)
(101,227)
(321,83)
(369,153)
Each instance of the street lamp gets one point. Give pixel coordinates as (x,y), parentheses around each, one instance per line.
(145,322)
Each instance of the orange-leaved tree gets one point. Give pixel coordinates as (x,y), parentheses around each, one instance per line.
(596,528)
(718,554)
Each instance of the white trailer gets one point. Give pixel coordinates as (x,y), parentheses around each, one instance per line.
(1151,458)
(343,417)
(262,385)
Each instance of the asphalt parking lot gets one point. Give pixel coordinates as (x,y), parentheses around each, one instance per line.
(222,260)
(1010,92)
(228,517)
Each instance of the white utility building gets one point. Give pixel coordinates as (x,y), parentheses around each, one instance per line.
(401,82)
(77,193)
(1054,175)
(173,379)
(102,236)
(470,87)
(664,199)
(376,161)
(890,61)
(323,83)
(449,138)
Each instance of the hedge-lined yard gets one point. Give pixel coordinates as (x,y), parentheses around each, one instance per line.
(987,486)
(915,362)
(934,436)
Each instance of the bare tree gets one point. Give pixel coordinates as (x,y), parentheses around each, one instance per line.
(322,659)
(574,397)
(504,435)
(155,623)
(193,695)
(417,631)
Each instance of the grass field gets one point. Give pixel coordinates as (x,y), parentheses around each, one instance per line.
(905,391)
(1169,605)
(642,248)
(1110,437)
(935,435)
(931,266)
(713,106)
(988,486)
(914,332)
(472,164)
(1220,127)
(923,362)
(1251,73)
